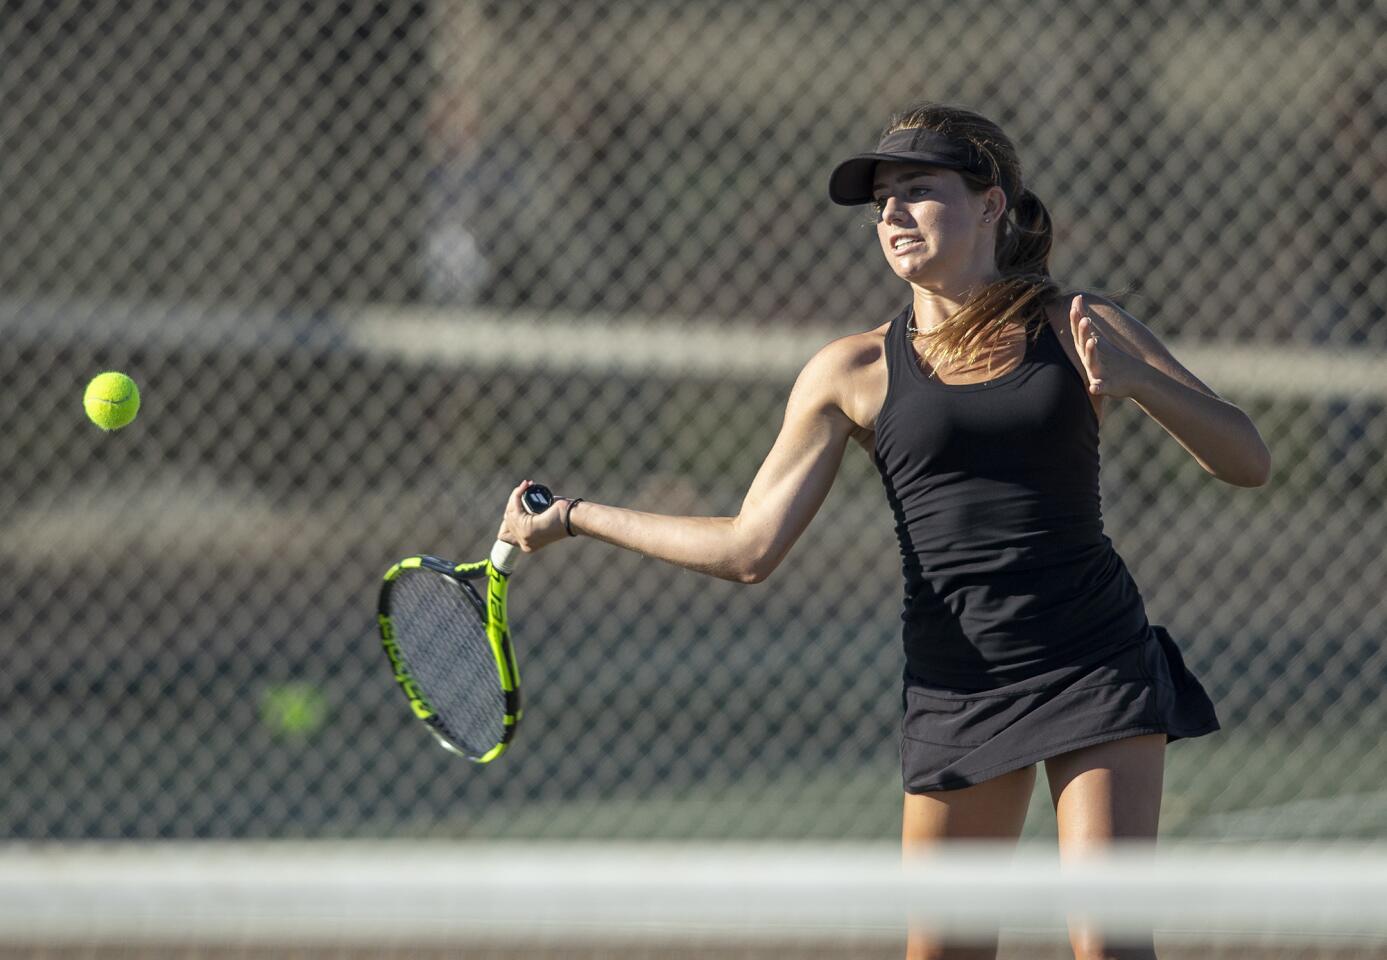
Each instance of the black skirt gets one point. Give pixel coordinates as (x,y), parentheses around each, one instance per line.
(952,739)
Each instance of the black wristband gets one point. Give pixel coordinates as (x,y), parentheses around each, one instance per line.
(568,517)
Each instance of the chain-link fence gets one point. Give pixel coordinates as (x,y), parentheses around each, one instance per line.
(372,263)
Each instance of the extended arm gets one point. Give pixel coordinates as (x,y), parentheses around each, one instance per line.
(788,490)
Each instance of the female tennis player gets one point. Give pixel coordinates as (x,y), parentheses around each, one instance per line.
(1025,637)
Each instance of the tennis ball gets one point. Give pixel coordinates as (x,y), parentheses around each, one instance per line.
(112,400)
(294,709)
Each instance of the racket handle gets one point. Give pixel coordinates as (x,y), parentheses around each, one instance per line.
(504,555)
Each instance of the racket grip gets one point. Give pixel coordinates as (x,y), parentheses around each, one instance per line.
(504,555)
(536,499)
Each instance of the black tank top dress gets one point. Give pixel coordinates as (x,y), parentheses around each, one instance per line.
(1025,636)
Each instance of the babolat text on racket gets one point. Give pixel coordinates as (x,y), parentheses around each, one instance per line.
(451,649)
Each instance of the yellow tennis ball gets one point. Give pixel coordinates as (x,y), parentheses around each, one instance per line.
(293,709)
(112,400)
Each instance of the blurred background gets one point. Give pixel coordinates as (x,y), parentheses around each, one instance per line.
(371,264)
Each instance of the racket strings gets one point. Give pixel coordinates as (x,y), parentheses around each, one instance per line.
(442,636)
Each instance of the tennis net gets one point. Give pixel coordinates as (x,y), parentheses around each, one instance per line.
(314,899)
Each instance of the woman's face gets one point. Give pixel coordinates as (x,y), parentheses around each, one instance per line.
(930,224)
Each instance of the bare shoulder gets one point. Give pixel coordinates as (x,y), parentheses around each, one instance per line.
(850,372)
(1057,312)
(854,352)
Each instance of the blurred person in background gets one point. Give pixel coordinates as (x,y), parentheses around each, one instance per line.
(456,269)
(1347,170)
(1340,311)
(1026,639)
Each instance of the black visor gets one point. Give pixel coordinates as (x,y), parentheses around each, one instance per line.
(851,181)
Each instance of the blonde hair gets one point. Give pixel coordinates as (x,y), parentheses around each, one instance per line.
(1024,235)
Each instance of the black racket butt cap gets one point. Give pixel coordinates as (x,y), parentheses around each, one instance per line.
(537,498)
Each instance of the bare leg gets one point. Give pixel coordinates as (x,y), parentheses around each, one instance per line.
(993,810)
(1107,792)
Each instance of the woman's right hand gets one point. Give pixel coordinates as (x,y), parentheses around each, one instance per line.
(532,531)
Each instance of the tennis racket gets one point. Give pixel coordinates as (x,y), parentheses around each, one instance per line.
(451,650)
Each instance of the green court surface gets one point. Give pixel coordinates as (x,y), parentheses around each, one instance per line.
(1233,786)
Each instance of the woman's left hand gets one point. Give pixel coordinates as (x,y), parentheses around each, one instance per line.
(532,531)
(1111,371)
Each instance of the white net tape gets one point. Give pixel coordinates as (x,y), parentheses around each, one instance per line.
(438,893)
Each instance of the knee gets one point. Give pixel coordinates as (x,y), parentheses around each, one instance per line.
(927,948)
(1097,949)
